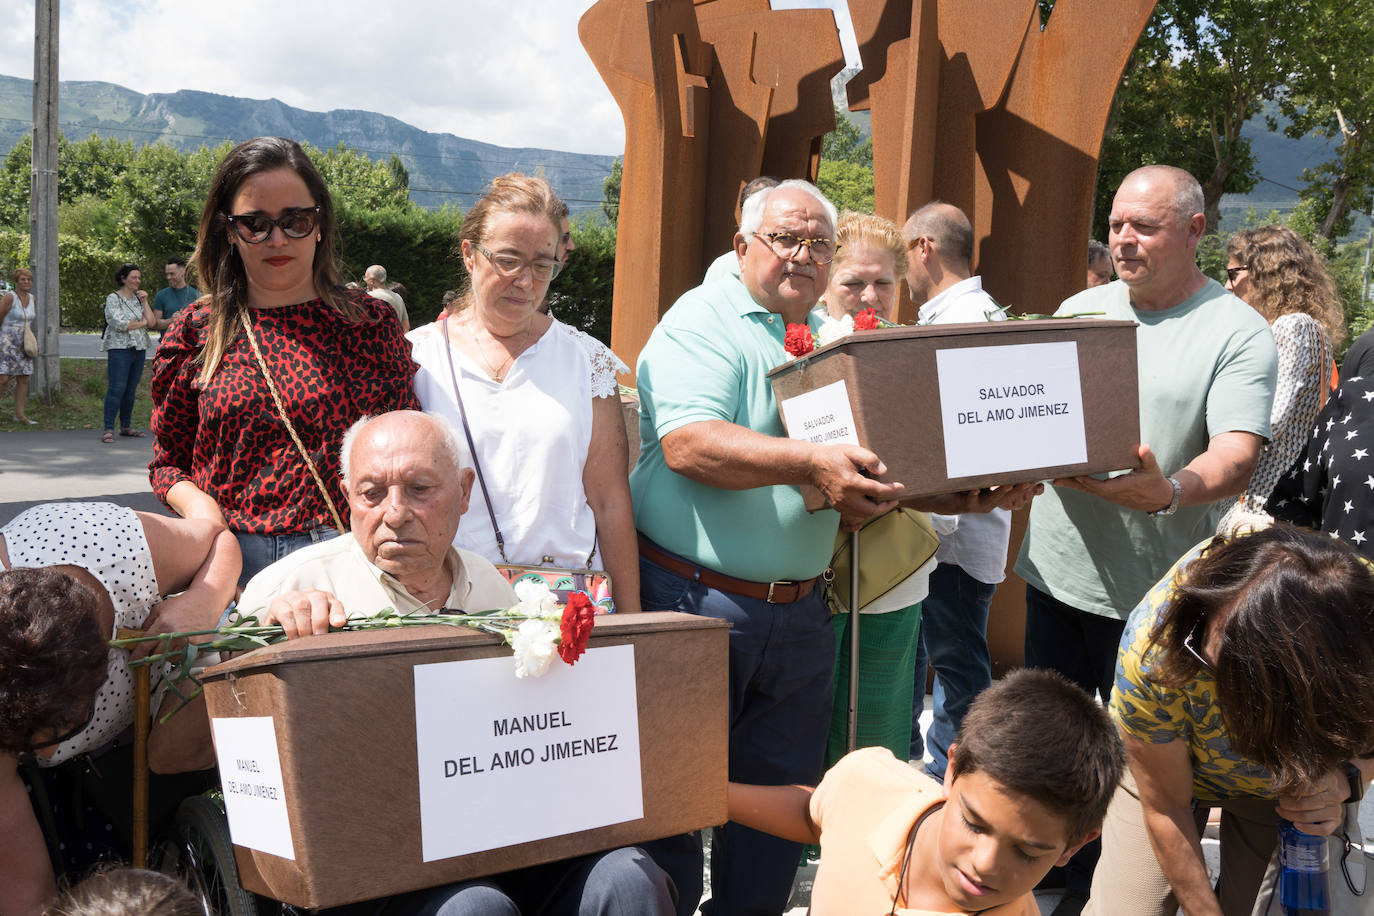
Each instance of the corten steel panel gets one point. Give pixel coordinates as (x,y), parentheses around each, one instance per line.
(344,712)
(769,74)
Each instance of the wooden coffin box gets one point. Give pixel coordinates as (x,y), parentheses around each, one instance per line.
(964,406)
(360,765)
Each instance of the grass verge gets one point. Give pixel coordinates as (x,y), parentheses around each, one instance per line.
(79,404)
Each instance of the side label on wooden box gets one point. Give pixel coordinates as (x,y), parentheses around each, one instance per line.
(821,415)
(1010,408)
(250,773)
(506,760)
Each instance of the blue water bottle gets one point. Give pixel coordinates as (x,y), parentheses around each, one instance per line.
(1303,886)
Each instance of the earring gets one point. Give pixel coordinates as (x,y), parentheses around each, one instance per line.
(318,238)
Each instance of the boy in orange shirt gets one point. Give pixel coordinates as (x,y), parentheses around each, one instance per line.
(1029,781)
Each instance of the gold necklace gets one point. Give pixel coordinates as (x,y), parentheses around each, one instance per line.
(498,374)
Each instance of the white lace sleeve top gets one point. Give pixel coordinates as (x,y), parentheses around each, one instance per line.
(532,432)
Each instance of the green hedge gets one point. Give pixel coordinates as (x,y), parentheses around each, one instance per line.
(86,271)
(414,245)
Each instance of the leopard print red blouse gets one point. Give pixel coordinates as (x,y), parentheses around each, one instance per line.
(227,437)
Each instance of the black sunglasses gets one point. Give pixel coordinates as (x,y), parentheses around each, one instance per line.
(295,223)
(1233,272)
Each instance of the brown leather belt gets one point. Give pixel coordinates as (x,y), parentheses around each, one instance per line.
(782,592)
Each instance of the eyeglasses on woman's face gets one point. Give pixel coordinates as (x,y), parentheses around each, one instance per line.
(40,744)
(294,223)
(1233,272)
(509,265)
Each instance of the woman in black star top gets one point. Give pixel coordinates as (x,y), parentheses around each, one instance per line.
(1331,486)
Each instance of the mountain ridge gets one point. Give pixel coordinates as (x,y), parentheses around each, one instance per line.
(443,167)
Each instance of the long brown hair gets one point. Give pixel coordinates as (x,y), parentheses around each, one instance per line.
(1286,276)
(1295,668)
(221,270)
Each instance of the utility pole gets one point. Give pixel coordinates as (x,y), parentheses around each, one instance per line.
(43,198)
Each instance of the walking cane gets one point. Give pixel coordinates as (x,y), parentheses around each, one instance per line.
(852,733)
(141,716)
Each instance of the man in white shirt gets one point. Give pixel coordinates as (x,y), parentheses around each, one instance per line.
(973,559)
(407,488)
(375,278)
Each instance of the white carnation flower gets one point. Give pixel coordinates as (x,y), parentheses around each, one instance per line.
(833,329)
(536,644)
(535,597)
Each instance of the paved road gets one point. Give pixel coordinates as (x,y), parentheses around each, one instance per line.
(63,465)
(87,346)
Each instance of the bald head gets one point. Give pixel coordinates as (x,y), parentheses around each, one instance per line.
(1178,186)
(947,227)
(1153,232)
(406,491)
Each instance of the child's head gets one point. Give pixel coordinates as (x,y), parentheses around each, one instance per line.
(127,892)
(1029,781)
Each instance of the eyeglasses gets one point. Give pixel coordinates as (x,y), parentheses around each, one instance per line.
(1233,272)
(294,223)
(786,245)
(65,736)
(1192,650)
(508,265)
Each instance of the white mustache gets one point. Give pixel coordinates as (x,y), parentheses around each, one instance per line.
(798,270)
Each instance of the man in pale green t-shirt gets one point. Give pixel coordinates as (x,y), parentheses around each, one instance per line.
(1207,365)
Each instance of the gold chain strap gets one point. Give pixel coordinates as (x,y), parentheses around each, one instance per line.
(276,399)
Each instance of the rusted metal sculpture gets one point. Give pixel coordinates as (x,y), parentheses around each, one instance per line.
(972,102)
(714,93)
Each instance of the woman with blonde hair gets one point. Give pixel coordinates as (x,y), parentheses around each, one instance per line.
(870,260)
(537,399)
(254,388)
(1279,275)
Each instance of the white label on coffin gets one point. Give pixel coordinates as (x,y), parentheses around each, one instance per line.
(822,416)
(1011,408)
(506,760)
(250,774)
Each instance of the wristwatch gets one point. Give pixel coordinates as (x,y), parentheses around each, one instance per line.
(1173,503)
(1356,778)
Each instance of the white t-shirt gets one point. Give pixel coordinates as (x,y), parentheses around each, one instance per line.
(532,432)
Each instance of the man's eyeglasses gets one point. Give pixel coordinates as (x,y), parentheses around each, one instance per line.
(508,265)
(786,245)
(295,223)
(1233,272)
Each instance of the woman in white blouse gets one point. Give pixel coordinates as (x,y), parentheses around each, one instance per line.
(538,397)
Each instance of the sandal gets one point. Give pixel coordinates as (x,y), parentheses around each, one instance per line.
(131,433)
(107,437)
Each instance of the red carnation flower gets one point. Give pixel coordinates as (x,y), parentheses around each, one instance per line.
(866,320)
(576,627)
(798,341)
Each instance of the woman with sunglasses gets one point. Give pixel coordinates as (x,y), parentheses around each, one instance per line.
(254,388)
(1274,271)
(538,398)
(71,574)
(1245,681)
(125,342)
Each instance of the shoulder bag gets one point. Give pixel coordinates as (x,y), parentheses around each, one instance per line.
(281,412)
(562,581)
(30,342)
(892,548)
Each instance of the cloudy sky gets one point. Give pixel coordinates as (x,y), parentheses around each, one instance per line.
(510,72)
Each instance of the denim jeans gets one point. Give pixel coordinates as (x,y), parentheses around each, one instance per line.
(782,659)
(262,550)
(954,637)
(123,370)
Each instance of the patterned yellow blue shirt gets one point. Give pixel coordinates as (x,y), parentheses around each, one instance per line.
(1157,715)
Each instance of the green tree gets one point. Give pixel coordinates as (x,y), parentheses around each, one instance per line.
(610,194)
(1330,92)
(848,185)
(1202,69)
(159,199)
(15,175)
(846,143)
(351,176)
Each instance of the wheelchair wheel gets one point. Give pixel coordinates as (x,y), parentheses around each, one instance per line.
(200,853)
